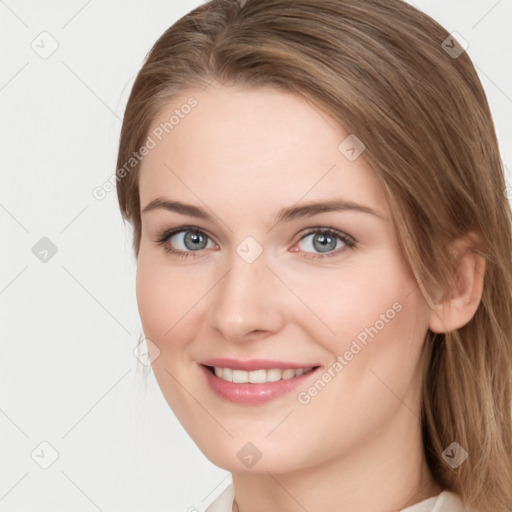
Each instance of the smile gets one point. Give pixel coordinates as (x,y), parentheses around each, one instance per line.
(257,376)
(254,382)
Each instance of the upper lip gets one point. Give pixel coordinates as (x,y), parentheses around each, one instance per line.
(254,364)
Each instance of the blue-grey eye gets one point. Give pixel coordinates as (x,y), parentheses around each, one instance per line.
(321,242)
(189,240)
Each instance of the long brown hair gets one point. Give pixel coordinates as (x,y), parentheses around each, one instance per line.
(397,79)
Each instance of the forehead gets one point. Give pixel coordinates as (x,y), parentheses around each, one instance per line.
(248,144)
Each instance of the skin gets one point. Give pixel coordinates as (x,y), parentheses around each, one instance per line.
(242,154)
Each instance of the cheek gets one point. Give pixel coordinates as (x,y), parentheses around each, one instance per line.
(153,299)
(374,322)
(358,301)
(163,307)
(160,298)
(168,298)
(380,320)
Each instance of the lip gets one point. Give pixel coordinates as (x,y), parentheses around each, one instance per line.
(255,364)
(247,392)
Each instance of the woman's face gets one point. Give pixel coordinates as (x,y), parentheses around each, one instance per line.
(256,277)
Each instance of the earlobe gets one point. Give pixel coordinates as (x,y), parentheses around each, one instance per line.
(458,305)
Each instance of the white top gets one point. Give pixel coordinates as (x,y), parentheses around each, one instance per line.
(445,502)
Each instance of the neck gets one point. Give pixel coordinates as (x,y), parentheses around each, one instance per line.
(383,474)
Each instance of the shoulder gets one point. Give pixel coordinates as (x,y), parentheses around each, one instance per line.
(447,501)
(223,502)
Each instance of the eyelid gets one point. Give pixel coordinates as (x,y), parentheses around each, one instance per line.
(168,233)
(328,230)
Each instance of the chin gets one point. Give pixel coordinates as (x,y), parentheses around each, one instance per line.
(239,456)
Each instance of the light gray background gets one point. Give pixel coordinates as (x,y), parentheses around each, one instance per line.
(68,376)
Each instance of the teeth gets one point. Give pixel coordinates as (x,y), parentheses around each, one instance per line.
(257,376)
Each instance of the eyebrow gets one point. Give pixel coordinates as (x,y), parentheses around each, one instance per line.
(284,215)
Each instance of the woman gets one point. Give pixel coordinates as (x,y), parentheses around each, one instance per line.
(323,254)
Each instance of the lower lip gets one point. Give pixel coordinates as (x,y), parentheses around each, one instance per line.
(249,393)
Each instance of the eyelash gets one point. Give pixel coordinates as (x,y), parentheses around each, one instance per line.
(349,242)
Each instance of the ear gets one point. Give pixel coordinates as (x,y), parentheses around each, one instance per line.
(457,306)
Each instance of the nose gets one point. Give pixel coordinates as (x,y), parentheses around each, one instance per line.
(247,302)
